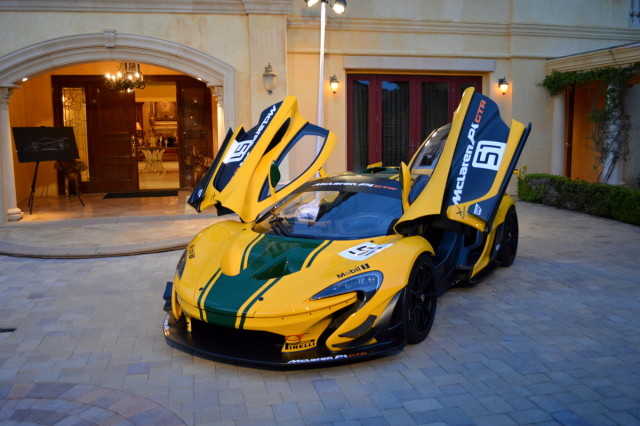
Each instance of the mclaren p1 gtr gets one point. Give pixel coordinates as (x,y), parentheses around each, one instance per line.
(336,268)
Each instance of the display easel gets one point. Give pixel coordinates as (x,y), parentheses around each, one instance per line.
(33,188)
(36,144)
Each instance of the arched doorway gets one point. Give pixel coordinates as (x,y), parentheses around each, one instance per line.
(106,46)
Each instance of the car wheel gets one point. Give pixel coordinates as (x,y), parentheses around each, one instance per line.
(509,242)
(420,300)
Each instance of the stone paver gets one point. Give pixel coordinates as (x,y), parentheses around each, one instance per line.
(551,340)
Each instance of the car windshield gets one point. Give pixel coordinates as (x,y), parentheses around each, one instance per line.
(346,209)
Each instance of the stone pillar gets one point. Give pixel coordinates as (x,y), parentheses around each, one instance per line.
(558,133)
(221,131)
(8,202)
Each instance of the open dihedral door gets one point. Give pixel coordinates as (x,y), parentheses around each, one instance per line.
(244,177)
(474,168)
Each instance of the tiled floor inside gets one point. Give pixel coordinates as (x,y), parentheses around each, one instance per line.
(166,179)
(95,205)
(58,207)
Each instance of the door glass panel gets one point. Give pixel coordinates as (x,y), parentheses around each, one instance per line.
(360,90)
(195,144)
(395,122)
(74,114)
(435,106)
(157,130)
(296,159)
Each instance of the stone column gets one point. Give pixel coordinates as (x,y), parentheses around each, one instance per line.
(8,202)
(558,133)
(221,131)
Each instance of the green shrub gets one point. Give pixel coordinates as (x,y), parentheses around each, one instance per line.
(597,199)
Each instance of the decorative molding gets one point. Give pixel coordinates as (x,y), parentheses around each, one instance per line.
(109,39)
(241,7)
(5,96)
(299,22)
(128,6)
(422,26)
(218,91)
(592,33)
(352,63)
(85,48)
(271,7)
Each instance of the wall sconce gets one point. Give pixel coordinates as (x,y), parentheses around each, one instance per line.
(334,83)
(503,84)
(269,78)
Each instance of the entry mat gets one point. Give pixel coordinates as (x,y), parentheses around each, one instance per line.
(140,194)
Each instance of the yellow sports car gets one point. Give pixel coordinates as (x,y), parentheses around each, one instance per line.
(323,269)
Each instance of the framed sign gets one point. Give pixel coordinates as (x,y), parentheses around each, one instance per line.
(45,144)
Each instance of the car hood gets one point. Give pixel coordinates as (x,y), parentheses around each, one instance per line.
(234,272)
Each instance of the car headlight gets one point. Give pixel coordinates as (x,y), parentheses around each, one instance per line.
(181,264)
(366,284)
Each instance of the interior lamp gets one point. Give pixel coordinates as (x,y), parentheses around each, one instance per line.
(127,77)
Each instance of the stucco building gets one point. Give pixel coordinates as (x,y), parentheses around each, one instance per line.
(401,66)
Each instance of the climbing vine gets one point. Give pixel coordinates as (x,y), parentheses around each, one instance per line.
(611,124)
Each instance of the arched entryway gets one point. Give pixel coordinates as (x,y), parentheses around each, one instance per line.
(106,46)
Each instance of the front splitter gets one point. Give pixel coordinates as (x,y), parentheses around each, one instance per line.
(217,343)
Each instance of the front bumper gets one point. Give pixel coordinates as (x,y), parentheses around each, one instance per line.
(261,348)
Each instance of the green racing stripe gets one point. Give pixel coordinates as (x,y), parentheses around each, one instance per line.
(270,258)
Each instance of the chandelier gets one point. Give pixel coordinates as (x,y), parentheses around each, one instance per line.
(128,77)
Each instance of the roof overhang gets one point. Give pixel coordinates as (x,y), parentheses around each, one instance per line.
(618,56)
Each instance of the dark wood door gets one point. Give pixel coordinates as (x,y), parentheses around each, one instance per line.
(107,128)
(112,150)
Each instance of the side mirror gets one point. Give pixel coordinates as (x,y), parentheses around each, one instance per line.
(274,174)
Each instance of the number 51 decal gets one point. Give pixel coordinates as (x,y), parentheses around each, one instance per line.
(363,251)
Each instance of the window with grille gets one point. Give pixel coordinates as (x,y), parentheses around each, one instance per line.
(390,115)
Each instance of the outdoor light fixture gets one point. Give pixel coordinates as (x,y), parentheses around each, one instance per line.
(338,6)
(503,84)
(334,83)
(127,77)
(269,78)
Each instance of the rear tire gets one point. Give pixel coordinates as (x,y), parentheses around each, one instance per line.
(419,300)
(509,242)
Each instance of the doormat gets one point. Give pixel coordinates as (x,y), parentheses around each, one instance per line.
(140,194)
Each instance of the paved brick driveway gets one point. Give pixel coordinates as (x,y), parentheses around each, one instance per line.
(553,339)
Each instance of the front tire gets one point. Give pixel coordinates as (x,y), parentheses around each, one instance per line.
(509,241)
(419,300)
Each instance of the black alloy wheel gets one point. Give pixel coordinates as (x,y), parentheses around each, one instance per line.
(509,242)
(420,300)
